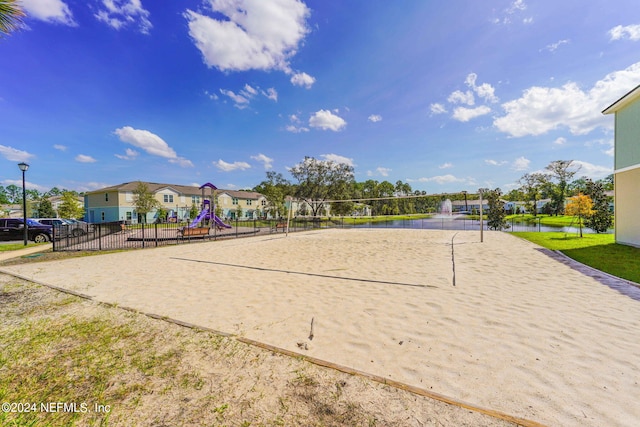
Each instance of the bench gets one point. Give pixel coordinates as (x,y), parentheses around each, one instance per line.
(280,225)
(191,232)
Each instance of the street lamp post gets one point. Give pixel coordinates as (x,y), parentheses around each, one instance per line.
(23,167)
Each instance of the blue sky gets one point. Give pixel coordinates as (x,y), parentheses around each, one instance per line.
(447,96)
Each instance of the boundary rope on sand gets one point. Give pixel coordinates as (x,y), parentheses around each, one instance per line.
(319,362)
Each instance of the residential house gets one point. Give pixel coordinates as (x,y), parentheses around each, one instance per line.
(627,167)
(469,205)
(252,205)
(116,203)
(56,201)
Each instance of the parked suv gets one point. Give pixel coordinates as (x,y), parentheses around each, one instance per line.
(13,229)
(64,227)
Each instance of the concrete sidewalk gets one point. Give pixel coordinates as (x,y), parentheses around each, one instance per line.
(26,251)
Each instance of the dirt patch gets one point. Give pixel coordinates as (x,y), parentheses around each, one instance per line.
(50,256)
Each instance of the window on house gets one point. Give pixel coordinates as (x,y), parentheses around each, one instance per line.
(248,202)
(235,201)
(129,216)
(263,203)
(195,200)
(168,198)
(106,197)
(102,216)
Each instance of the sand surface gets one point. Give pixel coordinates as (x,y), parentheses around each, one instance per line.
(520,332)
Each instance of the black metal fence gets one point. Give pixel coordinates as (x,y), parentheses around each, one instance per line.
(118,235)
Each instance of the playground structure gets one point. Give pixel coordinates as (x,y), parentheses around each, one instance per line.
(207,216)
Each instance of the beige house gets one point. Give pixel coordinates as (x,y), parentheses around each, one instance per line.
(627,167)
(116,203)
(251,204)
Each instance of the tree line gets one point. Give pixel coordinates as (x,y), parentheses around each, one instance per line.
(38,203)
(321,185)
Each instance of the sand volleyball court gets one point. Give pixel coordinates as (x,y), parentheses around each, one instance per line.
(520,332)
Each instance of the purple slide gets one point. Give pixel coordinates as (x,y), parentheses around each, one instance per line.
(199,218)
(219,222)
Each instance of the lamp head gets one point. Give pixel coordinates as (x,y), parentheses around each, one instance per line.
(23,166)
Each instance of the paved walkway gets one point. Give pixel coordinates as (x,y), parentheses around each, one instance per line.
(26,251)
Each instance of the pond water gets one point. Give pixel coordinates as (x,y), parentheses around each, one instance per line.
(457,223)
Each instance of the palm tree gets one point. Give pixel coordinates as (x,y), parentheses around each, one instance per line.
(10,16)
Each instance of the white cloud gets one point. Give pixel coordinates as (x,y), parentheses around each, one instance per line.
(337,159)
(182,162)
(303,79)
(55,11)
(228,167)
(326,120)
(14,155)
(250,34)
(554,46)
(495,162)
(60,147)
(632,32)
(560,141)
(541,109)
(517,5)
(241,100)
(521,164)
(296,129)
(437,108)
(440,179)
(383,171)
(484,91)
(593,171)
(465,114)
(375,118)
(266,161)
(271,93)
(121,13)
(250,90)
(90,186)
(611,151)
(82,158)
(129,154)
(515,8)
(28,185)
(446,165)
(211,95)
(151,143)
(459,97)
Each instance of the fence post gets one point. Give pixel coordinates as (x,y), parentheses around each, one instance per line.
(99,236)
(156,230)
(143,242)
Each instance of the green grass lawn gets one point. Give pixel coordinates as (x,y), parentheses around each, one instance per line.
(551,220)
(595,250)
(16,246)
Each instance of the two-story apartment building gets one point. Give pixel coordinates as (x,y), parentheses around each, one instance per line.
(252,204)
(117,203)
(627,167)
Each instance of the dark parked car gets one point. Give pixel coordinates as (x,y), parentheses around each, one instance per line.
(82,226)
(64,227)
(13,229)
